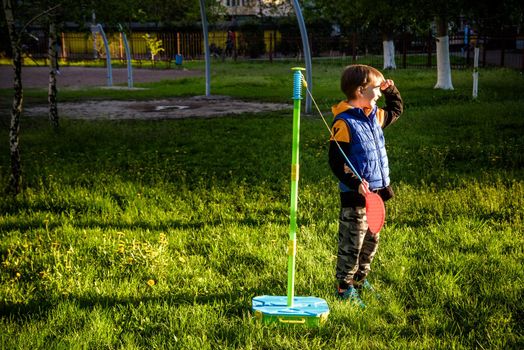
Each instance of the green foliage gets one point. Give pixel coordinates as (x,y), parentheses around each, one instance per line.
(153,44)
(137,234)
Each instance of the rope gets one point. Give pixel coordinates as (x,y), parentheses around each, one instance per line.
(304,83)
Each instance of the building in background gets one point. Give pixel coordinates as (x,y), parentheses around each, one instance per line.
(258,8)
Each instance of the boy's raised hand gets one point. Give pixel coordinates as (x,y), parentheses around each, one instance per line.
(386,83)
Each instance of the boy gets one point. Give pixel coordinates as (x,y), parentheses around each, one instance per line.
(358,128)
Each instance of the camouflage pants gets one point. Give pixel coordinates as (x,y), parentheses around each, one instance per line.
(356,245)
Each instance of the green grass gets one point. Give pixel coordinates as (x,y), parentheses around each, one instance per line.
(135,234)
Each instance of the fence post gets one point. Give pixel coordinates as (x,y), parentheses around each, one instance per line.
(64,52)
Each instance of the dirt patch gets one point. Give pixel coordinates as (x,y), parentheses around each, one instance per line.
(38,77)
(175,108)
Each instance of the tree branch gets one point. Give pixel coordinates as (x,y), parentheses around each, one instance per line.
(28,23)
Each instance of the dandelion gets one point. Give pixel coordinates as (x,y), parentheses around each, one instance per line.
(151,283)
(163,239)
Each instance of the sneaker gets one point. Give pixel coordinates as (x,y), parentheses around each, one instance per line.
(368,288)
(350,294)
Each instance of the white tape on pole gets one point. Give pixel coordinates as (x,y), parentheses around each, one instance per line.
(476,73)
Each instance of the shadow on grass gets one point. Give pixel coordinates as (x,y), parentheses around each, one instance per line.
(119,225)
(234,303)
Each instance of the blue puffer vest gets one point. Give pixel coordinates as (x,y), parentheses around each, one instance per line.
(367,151)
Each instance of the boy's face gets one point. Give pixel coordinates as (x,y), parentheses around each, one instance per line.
(370,93)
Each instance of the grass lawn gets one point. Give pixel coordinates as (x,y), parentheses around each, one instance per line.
(139,235)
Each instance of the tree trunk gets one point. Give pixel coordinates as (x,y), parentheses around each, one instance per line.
(443,61)
(53,68)
(389,52)
(16,110)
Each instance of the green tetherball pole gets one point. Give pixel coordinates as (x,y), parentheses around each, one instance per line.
(292,244)
(289,309)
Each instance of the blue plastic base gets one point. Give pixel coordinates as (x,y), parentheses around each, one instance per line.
(310,311)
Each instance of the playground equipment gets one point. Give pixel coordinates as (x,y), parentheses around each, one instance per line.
(307,53)
(128,59)
(98,29)
(178,59)
(206,46)
(290,309)
(305,45)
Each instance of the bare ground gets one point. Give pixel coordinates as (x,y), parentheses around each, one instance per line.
(38,77)
(175,108)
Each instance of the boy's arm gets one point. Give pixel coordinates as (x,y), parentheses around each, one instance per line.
(337,160)
(394,106)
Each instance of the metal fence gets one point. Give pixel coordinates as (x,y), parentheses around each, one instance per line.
(411,50)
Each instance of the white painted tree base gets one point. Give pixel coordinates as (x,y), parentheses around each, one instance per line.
(389,54)
(443,64)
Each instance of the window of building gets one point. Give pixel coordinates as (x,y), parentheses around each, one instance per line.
(232,3)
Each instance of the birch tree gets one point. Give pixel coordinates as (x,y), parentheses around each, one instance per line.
(53,68)
(15,177)
(17,27)
(443,60)
(388,18)
(440,12)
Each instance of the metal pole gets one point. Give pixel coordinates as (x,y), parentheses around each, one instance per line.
(307,53)
(129,64)
(206,46)
(292,243)
(108,55)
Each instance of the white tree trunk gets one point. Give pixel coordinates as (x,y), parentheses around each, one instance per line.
(389,54)
(15,179)
(443,64)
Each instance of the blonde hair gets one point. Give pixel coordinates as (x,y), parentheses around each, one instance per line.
(357,75)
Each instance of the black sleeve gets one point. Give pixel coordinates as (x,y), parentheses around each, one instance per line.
(394,105)
(337,161)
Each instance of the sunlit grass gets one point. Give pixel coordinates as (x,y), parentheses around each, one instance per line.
(158,234)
